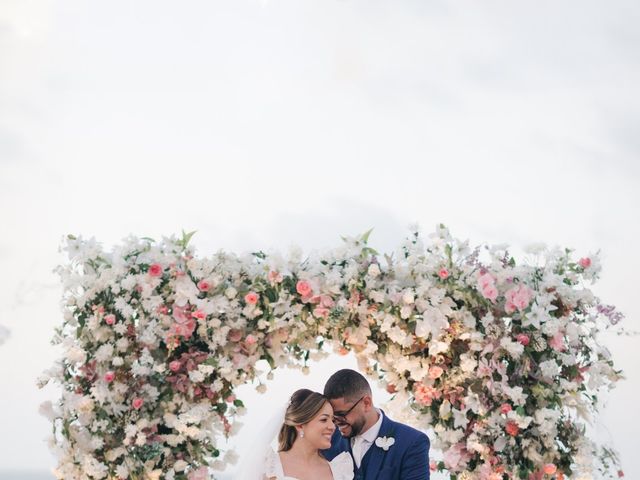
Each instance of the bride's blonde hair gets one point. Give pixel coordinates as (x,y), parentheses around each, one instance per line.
(304,405)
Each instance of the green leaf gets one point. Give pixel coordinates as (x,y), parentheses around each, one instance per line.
(365,235)
(186,238)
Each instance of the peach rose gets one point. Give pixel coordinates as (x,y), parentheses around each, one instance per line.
(251,298)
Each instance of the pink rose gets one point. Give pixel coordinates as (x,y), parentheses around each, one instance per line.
(251,298)
(518,298)
(231,398)
(199,314)
(304,288)
(110,319)
(550,469)
(505,408)
(584,262)
(523,339)
(443,273)
(204,286)
(485,280)
(175,365)
(435,372)
(109,377)
(155,270)
(490,292)
(251,340)
(137,403)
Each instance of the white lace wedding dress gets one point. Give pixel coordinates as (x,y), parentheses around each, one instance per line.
(341,467)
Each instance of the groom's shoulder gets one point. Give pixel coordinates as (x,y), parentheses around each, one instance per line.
(407,432)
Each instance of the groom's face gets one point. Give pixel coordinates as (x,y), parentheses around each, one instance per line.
(349,415)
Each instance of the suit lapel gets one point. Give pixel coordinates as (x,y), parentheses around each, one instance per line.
(378,454)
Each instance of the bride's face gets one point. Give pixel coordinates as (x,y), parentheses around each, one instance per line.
(320,429)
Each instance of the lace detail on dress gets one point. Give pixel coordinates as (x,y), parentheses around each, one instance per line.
(342,467)
(272,465)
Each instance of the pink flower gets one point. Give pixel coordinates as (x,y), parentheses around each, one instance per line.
(155,270)
(433,466)
(199,314)
(175,366)
(204,286)
(425,394)
(321,312)
(518,298)
(109,377)
(435,372)
(304,288)
(274,276)
(201,473)
(443,273)
(505,408)
(231,398)
(490,292)
(456,457)
(137,403)
(512,428)
(485,280)
(584,262)
(550,469)
(110,319)
(251,298)
(523,339)
(557,342)
(251,340)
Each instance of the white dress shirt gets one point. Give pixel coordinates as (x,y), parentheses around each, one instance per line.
(361,443)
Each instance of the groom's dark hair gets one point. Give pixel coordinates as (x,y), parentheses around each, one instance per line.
(347,384)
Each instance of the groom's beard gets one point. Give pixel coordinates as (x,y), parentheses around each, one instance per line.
(356,428)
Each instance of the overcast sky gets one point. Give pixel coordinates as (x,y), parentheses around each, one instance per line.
(274,123)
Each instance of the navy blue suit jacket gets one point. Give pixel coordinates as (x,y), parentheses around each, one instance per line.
(406,459)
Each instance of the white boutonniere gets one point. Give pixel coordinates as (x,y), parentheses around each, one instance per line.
(385,442)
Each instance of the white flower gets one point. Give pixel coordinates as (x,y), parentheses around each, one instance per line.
(467,363)
(373,270)
(385,442)
(185,291)
(549,369)
(408,297)
(515,349)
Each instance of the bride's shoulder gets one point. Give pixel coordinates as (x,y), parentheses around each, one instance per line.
(342,466)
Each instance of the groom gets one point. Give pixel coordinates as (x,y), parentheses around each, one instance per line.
(381,448)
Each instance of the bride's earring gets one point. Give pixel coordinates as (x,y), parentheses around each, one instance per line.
(301,433)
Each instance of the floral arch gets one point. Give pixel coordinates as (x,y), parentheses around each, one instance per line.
(500,359)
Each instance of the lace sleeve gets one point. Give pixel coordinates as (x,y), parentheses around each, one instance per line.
(342,467)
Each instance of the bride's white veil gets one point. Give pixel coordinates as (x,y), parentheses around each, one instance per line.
(253,455)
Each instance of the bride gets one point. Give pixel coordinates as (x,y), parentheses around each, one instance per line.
(306,430)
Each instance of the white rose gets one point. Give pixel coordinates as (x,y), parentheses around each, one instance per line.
(373,270)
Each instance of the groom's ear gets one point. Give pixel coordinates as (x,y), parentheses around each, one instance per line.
(368,402)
